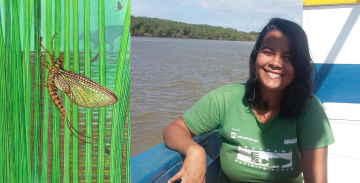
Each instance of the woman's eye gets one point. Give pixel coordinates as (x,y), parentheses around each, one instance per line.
(267,53)
(287,58)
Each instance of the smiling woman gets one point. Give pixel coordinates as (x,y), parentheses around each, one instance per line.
(273,63)
(274,71)
(272,128)
(283,45)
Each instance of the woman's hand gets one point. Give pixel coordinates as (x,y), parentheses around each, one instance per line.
(194,167)
(178,137)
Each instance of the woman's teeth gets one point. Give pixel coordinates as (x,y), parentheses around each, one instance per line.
(273,75)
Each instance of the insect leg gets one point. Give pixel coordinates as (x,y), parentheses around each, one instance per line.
(43,83)
(46,64)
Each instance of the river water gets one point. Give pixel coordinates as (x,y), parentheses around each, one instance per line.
(169,75)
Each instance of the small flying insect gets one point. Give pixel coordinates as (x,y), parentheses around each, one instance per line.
(80,89)
(119,7)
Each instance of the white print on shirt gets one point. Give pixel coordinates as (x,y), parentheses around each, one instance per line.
(265,160)
(247,138)
(290,141)
(233,135)
(235,129)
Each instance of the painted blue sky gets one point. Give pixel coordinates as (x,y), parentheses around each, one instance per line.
(243,15)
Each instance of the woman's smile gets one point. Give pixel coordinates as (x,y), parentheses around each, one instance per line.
(272,75)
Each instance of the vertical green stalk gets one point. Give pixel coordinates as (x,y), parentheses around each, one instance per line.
(15,114)
(126,146)
(128,150)
(45,138)
(8,138)
(102,110)
(67,103)
(30,12)
(125,92)
(56,113)
(2,98)
(27,77)
(115,134)
(37,93)
(124,108)
(125,85)
(128,114)
(118,119)
(88,118)
(24,176)
(16,56)
(76,69)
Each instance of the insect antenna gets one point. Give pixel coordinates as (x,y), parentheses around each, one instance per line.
(52,44)
(51,57)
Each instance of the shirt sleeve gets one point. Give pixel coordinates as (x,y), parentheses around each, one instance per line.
(203,117)
(314,127)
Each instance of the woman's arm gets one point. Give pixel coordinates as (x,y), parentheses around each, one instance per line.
(178,137)
(314,165)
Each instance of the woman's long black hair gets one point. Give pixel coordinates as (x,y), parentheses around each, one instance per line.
(300,89)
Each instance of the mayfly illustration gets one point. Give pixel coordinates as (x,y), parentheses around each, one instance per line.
(80,89)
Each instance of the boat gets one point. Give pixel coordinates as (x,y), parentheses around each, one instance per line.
(333,30)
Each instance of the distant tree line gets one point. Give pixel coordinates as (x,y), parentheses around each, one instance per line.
(155,27)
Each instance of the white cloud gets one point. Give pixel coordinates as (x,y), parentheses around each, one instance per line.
(247,5)
(253,24)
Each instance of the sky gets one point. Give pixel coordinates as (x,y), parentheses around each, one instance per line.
(242,15)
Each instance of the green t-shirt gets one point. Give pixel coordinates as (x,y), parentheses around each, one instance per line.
(252,151)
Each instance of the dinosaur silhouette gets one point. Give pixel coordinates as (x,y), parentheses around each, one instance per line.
(276,161)
(111,33)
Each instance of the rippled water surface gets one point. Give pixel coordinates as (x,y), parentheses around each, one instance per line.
(169,75)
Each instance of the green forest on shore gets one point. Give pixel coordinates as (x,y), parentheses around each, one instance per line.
(155,27)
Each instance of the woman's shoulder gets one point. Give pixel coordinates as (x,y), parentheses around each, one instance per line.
(313,107)
(313,101)
(236,88)
(313,127)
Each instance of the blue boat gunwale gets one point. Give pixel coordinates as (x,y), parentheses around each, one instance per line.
(165,163)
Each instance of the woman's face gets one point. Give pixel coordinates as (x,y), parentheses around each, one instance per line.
(273,65)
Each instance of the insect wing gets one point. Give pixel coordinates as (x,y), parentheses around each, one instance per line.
(61,84)
(84,91)
(119,7)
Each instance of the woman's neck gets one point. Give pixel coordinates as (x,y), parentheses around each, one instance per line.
(272,98)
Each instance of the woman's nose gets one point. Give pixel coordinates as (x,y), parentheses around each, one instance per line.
(276,62)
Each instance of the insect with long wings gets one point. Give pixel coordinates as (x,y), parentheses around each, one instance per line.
(119,7)
(80,89)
